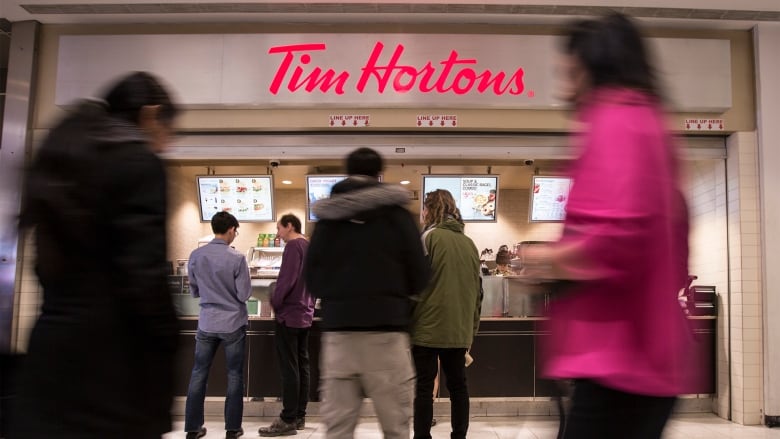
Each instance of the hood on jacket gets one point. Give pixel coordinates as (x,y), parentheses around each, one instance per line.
(345,205)
(106,129)
(69,154)
(450,224)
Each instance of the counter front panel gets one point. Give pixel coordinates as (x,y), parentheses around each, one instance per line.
(505,351)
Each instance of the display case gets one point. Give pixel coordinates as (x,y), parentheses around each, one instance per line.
(183,302)
(264,262)
(507,296)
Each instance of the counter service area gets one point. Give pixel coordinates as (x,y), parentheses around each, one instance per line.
(512,328)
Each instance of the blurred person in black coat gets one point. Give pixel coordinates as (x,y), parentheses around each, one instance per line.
(100,361)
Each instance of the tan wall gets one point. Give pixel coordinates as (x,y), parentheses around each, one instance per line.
(705,189)
(741,117)
(184,228)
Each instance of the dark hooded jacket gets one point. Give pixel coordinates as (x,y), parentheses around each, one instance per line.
(101,355)
(365,259)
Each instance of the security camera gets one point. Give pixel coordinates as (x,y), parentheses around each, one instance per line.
(528,162)
(274,163)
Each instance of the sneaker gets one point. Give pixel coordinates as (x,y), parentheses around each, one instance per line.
(278,428)
(234,434)
(300,423)
(196,434)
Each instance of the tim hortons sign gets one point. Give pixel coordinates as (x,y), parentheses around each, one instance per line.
(454,74)
(350,70)
(305,70)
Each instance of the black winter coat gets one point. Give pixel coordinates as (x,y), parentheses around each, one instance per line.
(100,361)
(365,258)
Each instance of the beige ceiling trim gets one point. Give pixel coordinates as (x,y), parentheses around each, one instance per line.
(396,8)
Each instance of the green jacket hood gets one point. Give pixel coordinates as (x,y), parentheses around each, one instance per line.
(450,224)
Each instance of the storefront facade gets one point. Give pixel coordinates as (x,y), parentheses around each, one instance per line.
(268,110)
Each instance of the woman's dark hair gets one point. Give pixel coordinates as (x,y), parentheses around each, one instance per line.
(364,161)
(288,219)
(221,222)
(503,257)
(612,51)
(136,90)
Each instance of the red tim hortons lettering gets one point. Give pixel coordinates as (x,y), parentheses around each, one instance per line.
(316,78)
(455,76)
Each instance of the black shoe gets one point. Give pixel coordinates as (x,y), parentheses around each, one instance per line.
(433,422)
(278,428)
(196,434)
(300,423)
(234,434)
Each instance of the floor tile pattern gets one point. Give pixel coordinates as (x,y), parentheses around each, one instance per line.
(682,426)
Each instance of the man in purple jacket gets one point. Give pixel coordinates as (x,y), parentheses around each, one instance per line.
(294,309)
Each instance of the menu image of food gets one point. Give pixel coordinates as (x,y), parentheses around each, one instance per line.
(549,197)
(248,198)
(476,196)
(319,187)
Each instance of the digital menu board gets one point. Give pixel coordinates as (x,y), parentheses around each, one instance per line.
(549,195)
(247,197)
(475,195)
(317,188)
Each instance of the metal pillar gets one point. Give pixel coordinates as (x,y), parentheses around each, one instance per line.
(16,137)
(766,39)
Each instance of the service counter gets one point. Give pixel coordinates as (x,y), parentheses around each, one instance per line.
(505,349)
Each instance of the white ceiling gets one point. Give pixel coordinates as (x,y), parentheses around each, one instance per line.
(721,14)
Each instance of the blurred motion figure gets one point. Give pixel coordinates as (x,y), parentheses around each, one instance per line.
(617,330)
(101,355)
(366,302)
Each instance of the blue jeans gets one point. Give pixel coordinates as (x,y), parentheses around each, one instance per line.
(206,344)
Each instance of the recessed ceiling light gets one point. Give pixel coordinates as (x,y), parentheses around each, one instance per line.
(405,181)
(286,182)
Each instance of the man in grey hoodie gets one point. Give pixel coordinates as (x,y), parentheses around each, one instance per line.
(366,301)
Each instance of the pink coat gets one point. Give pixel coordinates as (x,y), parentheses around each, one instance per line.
(626,330)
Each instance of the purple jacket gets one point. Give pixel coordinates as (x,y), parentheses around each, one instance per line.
(625,330)
(292,303)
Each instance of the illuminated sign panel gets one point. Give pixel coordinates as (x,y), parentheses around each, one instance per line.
(369,70)
(345,70)
(452,75)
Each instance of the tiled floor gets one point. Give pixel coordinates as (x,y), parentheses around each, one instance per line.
(698,426)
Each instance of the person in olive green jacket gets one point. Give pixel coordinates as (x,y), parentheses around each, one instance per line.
(447,316)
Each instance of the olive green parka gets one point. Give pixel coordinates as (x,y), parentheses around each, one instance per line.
(447,314)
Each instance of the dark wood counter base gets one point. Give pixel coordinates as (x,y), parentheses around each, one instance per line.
(505,355)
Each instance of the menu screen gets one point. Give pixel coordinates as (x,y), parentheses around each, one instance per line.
(548,198)
(247,197)
(317,188)
(475,195)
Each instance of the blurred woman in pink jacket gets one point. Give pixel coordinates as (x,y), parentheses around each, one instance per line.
(617,330)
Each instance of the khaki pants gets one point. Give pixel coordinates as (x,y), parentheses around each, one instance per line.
(374,364)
